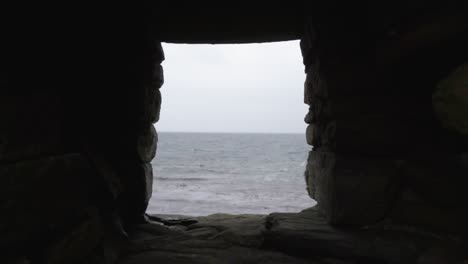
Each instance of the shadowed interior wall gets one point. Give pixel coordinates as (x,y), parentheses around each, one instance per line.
(76,139)
(380,151)
(79,96)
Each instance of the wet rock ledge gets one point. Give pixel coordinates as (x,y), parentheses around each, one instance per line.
(303,237)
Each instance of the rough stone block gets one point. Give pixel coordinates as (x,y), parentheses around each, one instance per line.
(79,242)
(308,234)
(308,45)
(138,190)
(151,105)
(311,134)
(309,177)
(314,86)
(451,100)
(319,112)
(367,136)
(107,170)
(158,77)
(351,190)
(244,230)
(147,143)
(310,116)
(147,173)
(55,190)
(384,105)
(367,107)
(307,94)
(158,54)
(321,135)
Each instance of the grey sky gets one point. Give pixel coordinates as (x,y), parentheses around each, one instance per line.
(233,88)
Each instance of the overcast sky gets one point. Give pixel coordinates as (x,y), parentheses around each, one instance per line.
(233,88)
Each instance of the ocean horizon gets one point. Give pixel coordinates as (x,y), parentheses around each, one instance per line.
(229,132)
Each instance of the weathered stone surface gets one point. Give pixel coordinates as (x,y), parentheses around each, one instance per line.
(78,243)
(377,65)
(147,143)
(367,136)
(188,250)
(322,135)
(108,171)
(241,230)
(138,190)
(53,189)
(311,134)
(159,53)
(303,237)
(451,100)
(360,122)
(161,245)
(319,112)
(158,77)
(314,86)
(310,116)
(308,44)
(371,106)
(361,107)
(310,176)
(351,190)
(308,234)
(147,173)
(151,105)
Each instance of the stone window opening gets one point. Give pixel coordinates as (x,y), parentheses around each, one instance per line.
(193,173)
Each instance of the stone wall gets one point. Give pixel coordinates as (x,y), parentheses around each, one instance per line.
(386,89)
(380,151)
(76,142)
(350,128)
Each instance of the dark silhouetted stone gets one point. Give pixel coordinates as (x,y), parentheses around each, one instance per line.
(351,190)
(147,143)
(54,190)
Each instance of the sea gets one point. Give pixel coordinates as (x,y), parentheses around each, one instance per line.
(200,174)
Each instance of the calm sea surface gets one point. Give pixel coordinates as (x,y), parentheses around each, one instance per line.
(205,173)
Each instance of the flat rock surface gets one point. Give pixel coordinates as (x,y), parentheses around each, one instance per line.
(152,243)
(277,238)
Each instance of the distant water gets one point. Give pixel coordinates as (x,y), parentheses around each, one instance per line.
(206,173)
